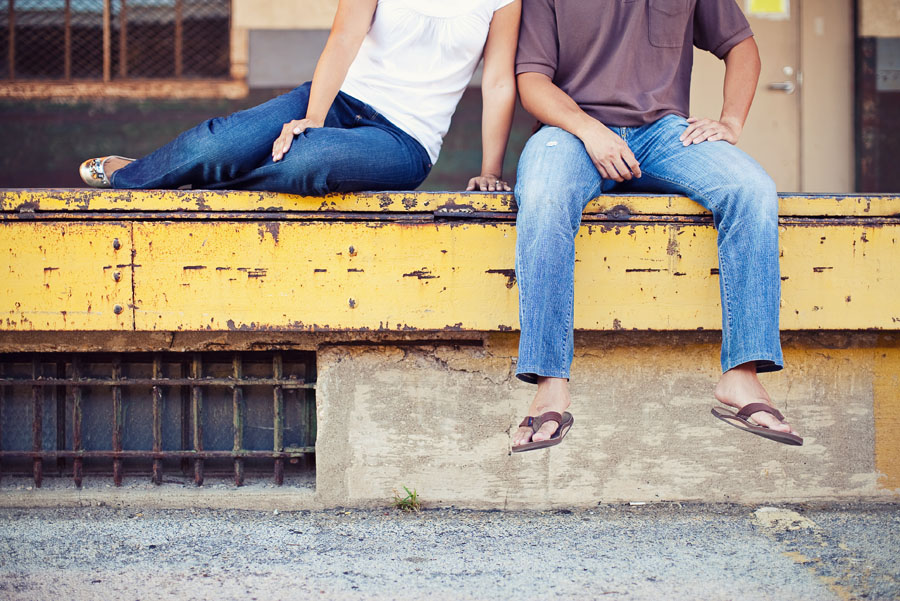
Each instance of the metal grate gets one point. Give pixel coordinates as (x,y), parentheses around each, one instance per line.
(145,413)
(114,39)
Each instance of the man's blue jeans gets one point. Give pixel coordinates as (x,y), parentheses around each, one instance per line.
(555,181)
(358,149)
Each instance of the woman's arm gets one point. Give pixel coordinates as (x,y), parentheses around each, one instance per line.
(351,23)
(498,94)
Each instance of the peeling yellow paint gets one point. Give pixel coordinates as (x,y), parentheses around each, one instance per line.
(886,393)
(405,202)
(458,275)
(65,276)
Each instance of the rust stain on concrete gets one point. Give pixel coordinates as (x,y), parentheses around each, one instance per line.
(886,392)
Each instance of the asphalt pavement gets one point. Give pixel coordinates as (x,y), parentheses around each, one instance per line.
(665,551)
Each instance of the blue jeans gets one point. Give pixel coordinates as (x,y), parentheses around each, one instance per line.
(356,150)
(555,181)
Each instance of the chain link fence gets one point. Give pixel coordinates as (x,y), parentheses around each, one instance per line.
(114,39)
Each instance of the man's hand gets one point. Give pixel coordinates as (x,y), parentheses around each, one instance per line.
(291,129)
(610,153)
(488,182)
(702,130)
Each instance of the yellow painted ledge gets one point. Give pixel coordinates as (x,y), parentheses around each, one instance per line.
(56,200)
(320,275)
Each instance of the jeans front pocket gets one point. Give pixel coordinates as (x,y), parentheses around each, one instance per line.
(669,22)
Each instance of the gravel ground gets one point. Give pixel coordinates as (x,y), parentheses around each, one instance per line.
(659,551)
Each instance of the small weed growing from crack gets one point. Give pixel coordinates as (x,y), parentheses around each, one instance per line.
(408,503)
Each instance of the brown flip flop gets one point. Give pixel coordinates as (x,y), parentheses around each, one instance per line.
(741,420)
(565,422)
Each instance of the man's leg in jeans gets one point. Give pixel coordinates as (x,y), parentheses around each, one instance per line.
(744,204)
(555,180)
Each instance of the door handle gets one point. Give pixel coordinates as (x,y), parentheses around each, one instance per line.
(782,86)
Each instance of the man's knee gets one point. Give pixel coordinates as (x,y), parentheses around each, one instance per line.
(757,194)
(550,185)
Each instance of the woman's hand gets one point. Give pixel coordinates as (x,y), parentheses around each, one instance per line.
(291,129)
(488,182)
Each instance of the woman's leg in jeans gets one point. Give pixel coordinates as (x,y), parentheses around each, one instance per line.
(332,159)
(555,180)
(219,149)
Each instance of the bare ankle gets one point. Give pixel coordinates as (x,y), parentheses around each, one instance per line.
(740,385)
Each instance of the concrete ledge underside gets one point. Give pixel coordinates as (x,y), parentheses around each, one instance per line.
(438,417)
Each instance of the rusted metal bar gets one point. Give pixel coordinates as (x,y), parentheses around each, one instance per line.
(78,464)
(179,37)
(185,415)
(12,40)
(123,40)
(107,41)
(157,419)
(117,421)
(238,417)
(37,395)
(60,394)
(162,382)
(309,438)
(67,41)
(287,453)
(278,431)
(300,402)
(197,417)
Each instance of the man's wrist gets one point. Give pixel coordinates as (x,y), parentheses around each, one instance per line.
(584,125)
(734,123)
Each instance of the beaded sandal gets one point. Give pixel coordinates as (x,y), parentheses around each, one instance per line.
(93,174)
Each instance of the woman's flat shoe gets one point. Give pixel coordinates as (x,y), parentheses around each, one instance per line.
(93,174)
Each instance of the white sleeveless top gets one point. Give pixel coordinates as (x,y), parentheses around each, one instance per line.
(416,61)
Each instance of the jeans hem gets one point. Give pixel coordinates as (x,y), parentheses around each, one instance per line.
(765,362)
(531,376)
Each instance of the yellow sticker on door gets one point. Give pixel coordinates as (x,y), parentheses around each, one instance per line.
(769,9)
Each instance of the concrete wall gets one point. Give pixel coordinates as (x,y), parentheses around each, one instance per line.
(273,14)
(879,18)
(439,420)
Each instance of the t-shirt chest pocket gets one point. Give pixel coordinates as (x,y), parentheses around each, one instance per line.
(668,22)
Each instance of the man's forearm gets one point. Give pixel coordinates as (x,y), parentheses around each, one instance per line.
(741,76)
(551,106)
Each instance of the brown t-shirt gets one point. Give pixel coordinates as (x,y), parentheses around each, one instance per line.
(625,62)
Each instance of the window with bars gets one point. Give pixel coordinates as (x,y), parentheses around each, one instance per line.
(106,40)
(211,414)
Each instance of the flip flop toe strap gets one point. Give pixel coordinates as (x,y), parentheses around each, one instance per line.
(550,416)
(535,423)
(748,410)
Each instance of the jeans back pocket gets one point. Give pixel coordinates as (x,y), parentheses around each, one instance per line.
(669,22)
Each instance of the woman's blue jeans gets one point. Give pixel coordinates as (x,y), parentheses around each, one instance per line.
(555,181)
(358,149)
